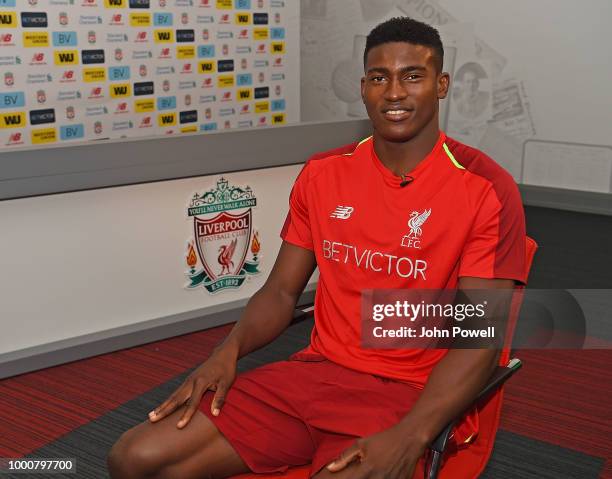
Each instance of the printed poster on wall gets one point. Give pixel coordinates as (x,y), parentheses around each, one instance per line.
(74,70)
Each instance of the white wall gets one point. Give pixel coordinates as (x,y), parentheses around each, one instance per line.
(561,50)
(89,261)
(545,69)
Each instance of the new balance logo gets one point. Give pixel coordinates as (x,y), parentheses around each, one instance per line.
(342,212)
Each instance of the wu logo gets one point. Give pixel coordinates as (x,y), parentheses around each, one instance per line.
(7,19)
(342,212)
(413,238)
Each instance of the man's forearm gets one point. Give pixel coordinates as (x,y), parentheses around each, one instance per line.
(452,386)
(267,314)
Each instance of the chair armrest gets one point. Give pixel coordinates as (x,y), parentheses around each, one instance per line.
(303,312)
(498,378)
(437,447)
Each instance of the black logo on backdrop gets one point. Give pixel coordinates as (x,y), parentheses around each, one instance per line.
(260,18)
(37,117)
(92,56)
(262,92)
(225,65)
(188,116)
(139,4)
(185,36)
(143,88)
(34,19)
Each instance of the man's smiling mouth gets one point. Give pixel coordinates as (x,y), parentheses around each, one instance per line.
(396,114)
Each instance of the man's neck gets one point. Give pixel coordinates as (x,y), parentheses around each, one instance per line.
(403,157)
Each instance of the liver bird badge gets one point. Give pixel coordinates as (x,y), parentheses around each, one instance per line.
(413,238)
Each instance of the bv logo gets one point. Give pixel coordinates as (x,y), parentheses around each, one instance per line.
(342,212)
(413,238)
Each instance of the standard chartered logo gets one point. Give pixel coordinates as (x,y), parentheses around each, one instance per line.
(377,261)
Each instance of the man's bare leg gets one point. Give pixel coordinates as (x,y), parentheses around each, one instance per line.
(161,450)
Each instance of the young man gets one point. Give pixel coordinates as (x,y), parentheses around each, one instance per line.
(353,412)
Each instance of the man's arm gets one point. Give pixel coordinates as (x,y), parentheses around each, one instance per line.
(451,388)
(269,311)
(455,381)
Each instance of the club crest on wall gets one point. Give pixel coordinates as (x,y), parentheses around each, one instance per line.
(223,251)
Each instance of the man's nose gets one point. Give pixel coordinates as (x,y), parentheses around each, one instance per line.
(395,90)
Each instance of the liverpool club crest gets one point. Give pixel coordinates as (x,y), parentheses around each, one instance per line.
(413,238)
(224,243)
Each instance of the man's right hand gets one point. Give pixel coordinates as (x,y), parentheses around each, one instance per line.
(217,373)
(267,314)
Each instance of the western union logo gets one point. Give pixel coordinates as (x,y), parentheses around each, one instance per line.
(277,47)
(225,4)
(185,52)
(189,129)
(44,135)
(140,20)
(8,19)
(120,90)
(262,107)
(225,81)
(278,118)
(166,119)
(31,39)
(115,3)
(144,106)
(245,94)
(66,57)
(163,36)
(206,67)
(94,74)
(243,18)
(14,119)
(260,34)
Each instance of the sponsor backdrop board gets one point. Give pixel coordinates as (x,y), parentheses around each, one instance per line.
(74,70)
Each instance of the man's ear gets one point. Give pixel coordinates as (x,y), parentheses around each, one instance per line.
(443,85)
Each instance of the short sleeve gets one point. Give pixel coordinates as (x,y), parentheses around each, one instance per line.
(495,247)
(296,229)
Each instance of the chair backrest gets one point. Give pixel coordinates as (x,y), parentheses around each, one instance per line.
(473,459)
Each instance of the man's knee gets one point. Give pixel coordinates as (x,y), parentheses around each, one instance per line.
(132,456)
(162,451)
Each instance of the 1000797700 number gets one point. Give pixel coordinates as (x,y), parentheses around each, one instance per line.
(47,465)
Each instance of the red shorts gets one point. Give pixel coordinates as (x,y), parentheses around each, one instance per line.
(306,410)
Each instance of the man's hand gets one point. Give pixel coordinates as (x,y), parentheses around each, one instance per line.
(217,373)
(266,316)
(389,454)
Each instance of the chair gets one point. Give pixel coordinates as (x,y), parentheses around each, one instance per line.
(488,404)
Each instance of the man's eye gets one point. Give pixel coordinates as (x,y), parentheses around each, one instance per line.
(378,79)
(412,77)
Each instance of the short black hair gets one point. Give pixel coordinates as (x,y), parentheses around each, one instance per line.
(409,30)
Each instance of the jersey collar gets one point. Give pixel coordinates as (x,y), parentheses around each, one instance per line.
(391,178)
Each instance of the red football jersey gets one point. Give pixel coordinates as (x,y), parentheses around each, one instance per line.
(460,216)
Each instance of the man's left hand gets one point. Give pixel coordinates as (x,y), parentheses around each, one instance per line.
(390,454)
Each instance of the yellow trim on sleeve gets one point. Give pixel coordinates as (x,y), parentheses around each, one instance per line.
(452,158)
(358,145)
(364,140)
